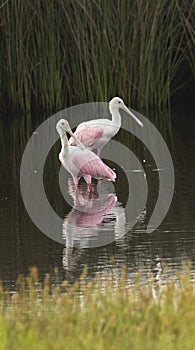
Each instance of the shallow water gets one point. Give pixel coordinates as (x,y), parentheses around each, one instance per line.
(98,231)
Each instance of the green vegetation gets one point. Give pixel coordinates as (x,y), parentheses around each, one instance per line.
(54,53)
(107,313)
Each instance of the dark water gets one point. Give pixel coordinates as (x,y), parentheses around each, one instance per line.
(98,238)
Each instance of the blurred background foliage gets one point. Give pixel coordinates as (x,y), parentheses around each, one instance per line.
(57,53)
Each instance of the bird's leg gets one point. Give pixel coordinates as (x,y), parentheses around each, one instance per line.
(90,188)
(75,180)
(89,184)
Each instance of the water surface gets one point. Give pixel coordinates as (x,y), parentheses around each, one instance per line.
(95,228)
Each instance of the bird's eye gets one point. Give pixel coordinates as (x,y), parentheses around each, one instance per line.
(119,101)
(62,123)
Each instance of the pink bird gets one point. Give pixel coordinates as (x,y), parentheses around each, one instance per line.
(96,133)
(80,162)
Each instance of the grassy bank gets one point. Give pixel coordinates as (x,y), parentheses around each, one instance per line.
(103,314)
(54,53)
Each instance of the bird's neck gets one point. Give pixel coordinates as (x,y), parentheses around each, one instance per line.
(116,117)
(64,142)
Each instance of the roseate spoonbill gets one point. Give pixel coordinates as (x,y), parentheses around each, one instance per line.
(94,134)
(80,162)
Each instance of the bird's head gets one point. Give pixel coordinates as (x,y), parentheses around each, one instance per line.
(62,127)
(117,103)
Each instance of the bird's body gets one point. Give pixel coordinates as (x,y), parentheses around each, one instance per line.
(94,134)
(81,162)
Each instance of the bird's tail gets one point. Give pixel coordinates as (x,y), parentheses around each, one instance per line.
(111,175)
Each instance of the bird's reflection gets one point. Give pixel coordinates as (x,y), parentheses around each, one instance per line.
(96,219)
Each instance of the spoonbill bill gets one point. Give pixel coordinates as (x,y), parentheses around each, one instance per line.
(94,134)
(81,162)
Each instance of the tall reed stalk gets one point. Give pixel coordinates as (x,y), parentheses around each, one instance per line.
(54,53)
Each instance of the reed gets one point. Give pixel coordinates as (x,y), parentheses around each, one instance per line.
(64,52)
(104,313)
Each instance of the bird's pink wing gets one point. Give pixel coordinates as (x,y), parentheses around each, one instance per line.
(87,135)
(89,163)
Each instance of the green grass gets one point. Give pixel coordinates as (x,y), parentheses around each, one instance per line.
(54,53)
(100,314)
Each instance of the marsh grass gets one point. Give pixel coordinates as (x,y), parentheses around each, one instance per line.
(104,313)
(63,52)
